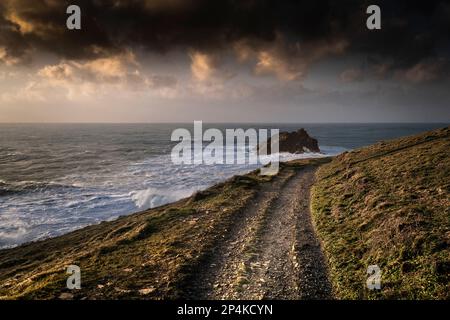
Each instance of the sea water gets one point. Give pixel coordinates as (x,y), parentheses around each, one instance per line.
(55,178)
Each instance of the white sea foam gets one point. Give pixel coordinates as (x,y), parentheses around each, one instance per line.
(82,198)
(13,228)
(153,197)
(182,181)
(51,185)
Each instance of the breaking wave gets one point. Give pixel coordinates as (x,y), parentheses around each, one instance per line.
(32,210)
(153,197)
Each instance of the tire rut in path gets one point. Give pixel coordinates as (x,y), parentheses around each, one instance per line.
(272,252)
(309,260)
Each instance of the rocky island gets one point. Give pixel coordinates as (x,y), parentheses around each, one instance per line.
(295,142)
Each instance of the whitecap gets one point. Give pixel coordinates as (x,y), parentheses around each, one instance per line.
(154,197)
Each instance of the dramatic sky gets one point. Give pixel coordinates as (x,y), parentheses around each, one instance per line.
(224,60)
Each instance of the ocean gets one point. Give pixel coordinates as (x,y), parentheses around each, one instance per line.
(56,178)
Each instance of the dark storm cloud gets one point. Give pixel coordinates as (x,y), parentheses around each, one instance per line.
(11,39)
(412,31)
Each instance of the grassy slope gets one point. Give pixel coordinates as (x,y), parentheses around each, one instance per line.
(388,204)
(148,255)
(151,250)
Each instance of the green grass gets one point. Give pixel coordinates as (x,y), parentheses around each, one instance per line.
(388,204)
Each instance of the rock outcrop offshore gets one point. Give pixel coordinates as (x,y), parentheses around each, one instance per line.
(295,142)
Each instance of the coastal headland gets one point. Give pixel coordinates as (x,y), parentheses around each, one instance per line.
(310,232)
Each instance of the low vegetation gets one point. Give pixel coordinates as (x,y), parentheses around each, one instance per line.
(145,255)
(388,205)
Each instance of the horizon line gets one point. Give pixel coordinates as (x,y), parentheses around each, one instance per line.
(234,122)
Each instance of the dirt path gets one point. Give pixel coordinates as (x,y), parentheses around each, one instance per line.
(272,252)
